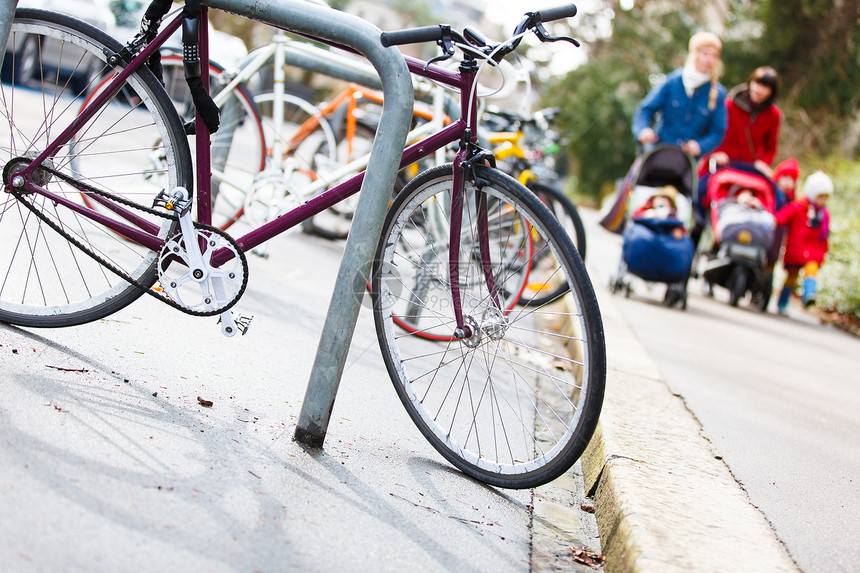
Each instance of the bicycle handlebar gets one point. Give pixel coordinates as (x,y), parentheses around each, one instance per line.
(411,36)
(471,37)
(557,13)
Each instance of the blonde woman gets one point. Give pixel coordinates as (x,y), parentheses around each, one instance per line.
(688,109)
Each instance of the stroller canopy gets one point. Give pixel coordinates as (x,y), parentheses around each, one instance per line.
(668,165)
(729,179)
(664,165)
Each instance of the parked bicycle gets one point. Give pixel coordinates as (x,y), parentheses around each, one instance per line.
(509,395)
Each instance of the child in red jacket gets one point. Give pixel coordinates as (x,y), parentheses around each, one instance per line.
(785,175)
(808,224)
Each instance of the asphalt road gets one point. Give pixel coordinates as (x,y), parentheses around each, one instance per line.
(777,397)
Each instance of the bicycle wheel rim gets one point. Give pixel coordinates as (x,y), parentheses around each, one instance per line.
(509,408)
(334,222)
(132,141)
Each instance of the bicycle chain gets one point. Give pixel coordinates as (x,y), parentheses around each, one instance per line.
(119,272)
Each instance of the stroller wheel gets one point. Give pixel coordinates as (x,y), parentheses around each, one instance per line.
(764,292)
(675,296)
(737,285)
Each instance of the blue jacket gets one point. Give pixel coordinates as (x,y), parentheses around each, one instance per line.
(680,118)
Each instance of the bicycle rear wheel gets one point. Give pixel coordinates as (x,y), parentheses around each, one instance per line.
(298,136)
(132,148)
(334,222)
(539,291)
(515,403)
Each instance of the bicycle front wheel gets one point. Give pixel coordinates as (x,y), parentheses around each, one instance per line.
(516,401)
(132,148)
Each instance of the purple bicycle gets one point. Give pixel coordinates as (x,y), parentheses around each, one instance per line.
(508,393)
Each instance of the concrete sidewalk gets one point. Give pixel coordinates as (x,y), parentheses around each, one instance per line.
(664,501)
(110,463)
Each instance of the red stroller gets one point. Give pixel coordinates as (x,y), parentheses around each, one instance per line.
(741,203)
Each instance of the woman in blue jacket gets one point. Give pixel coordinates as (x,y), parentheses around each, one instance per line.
(689,107)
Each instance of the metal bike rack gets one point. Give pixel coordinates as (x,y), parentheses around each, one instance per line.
(353,32)
(7,13)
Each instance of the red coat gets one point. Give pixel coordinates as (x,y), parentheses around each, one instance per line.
(803,243)
(750,139)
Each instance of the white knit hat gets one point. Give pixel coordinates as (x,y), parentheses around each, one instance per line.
(817,184)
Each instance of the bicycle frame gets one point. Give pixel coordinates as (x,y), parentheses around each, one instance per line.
(145,234)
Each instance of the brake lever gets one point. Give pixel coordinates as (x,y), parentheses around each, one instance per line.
(446,42)
(544,36)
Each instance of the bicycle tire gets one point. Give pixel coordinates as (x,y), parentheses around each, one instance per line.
(516,407)
(565,211)
(46,280)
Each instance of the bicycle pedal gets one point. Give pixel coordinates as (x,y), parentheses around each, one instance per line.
(230,325)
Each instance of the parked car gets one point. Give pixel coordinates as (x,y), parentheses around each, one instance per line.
(119,18)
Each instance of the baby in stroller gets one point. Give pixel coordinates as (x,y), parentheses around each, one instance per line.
(662,206)
(656,246)
(742,212)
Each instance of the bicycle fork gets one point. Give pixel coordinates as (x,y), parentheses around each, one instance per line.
(462,172)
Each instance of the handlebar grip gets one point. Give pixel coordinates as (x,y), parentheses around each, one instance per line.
(411,36)
(557,13)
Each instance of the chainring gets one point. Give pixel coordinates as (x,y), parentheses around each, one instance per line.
(215,289)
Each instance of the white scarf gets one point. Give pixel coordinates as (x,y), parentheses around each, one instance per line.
(693,78)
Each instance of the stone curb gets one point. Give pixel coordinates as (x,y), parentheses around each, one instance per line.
(663,501)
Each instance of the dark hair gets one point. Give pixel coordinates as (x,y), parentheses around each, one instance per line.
(766,76)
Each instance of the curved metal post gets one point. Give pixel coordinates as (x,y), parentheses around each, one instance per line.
(7,13)
(362,36)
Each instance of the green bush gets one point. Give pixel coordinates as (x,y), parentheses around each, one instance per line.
(840,275)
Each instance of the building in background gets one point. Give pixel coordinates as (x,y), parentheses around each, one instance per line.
(394,14)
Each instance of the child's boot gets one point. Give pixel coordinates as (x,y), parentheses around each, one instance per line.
(782,301)
(810,289)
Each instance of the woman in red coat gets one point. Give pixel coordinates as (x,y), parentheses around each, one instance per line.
(752,132)
(808,222)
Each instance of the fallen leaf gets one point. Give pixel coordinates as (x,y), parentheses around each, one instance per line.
(586,557)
